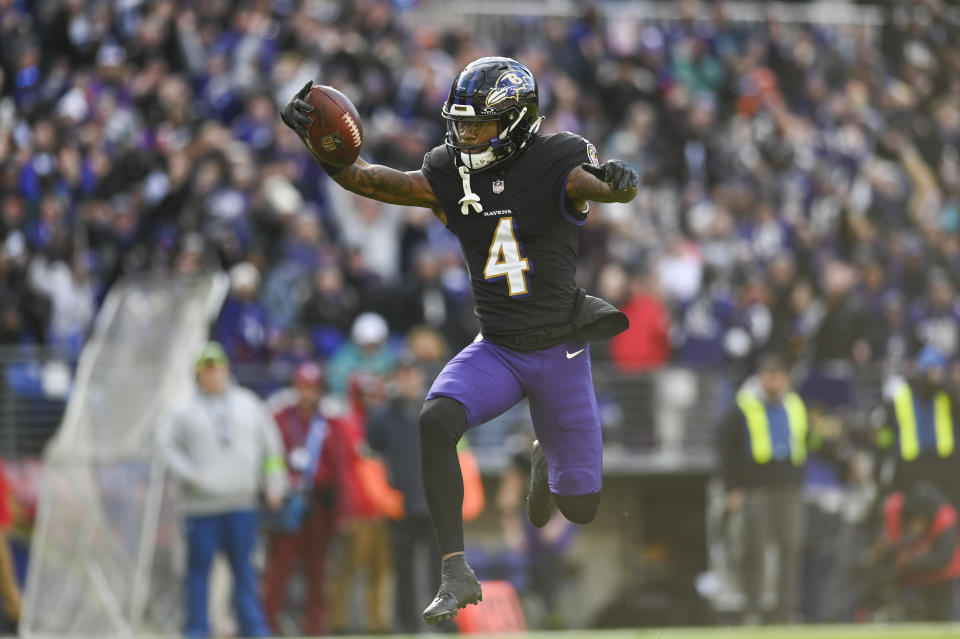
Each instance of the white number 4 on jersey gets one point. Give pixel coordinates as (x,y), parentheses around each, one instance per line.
(505,260)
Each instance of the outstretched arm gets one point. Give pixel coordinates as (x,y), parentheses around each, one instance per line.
(613,181)
(409,188)
(382,183)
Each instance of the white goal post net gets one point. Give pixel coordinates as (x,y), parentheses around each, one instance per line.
(106,556)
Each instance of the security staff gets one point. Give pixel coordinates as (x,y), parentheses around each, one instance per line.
(919,430)
(763,443)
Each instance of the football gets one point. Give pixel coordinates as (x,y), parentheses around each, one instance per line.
(336,134)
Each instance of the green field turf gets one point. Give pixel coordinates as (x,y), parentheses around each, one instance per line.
(871,631)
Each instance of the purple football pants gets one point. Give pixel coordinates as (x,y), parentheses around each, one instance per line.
(488,379)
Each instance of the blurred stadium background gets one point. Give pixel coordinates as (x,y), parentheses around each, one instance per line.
(900,631)
(801,193)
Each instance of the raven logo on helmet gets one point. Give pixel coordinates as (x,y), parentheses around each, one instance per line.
(509,85)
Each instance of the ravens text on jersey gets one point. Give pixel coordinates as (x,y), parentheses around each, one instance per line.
(521,247)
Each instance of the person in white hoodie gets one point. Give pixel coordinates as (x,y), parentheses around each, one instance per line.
(224,447)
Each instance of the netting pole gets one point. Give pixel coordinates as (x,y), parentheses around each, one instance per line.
(148,540)
(34,566)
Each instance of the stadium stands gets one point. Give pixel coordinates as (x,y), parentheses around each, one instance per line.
(801,191)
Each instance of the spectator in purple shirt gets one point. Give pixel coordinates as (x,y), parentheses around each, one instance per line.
(242,326)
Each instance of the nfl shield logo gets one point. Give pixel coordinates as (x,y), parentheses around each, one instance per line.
(497,187)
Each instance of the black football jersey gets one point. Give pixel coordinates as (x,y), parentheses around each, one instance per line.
(521,249)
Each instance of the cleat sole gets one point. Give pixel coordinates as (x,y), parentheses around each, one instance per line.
(435,619)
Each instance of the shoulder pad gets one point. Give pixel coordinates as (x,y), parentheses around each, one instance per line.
(438,159)
(566,143)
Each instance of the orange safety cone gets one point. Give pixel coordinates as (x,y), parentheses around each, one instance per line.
(499,611)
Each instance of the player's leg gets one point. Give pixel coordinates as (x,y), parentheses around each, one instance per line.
(443,421)
(475,386)
(568,458)
(434,563)
(540,503)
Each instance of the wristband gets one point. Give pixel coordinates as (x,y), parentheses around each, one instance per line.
(330,169)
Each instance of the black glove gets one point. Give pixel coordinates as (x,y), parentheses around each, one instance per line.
(616,173)
(294,112)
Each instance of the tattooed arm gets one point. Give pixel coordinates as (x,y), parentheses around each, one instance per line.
(614,181)
(377,182)
(387,185)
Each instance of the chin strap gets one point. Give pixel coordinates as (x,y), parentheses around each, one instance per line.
(469,199)
(533,130)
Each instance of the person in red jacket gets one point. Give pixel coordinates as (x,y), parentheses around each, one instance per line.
(317,457)
(9,590)
(637,352)
(922,534)
(646,345)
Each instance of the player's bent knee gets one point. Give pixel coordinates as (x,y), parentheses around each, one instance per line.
(580,509)
(443,421)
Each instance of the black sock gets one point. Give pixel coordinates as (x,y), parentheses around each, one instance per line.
(442,422)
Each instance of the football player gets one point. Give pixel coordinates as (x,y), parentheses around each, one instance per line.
(516,200)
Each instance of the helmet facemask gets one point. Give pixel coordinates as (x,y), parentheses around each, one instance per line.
(483,153)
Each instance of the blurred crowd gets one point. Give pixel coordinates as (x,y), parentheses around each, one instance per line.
(797,178)
(801,183)
(800,193)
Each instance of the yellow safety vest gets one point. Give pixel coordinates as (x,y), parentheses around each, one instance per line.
(907,423)
(759,427)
